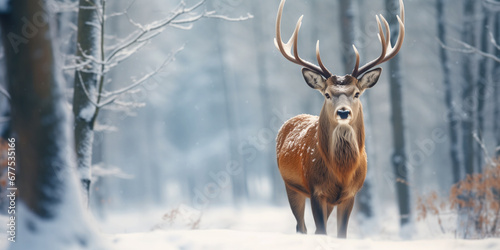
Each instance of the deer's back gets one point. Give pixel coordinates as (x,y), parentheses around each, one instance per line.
(296,150)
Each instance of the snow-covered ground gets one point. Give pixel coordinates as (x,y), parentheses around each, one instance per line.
(260,227)
(266,227)
(235,239)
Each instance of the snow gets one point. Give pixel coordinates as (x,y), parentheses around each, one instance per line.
(252,227)
(268,227)
(232,239)
(87,112)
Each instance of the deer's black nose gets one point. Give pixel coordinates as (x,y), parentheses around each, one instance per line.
(343,113)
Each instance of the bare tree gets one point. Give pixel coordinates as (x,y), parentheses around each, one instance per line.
(45,167)
(484,51)
(445,64)
(94,60)
(399,160)
(482,80)
(468,88)
(496,92)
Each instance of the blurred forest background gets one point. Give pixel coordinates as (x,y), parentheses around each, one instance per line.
(201,130)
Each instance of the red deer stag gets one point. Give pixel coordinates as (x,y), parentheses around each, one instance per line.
(323,158)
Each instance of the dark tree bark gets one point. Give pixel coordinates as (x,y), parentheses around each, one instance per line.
(399,160)
(46,180)
(35,94)
(348,33)
(481,83)
(496,90)
(451,114)
(89,38)
(468,100)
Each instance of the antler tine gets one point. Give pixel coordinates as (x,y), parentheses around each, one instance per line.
(325,70)
(280,44)
(356,66)
(388,52)
(388,32)
(285,49)
(399,43)
(383,42)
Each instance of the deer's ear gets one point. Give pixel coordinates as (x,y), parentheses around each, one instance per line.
(369,79)
(313,79)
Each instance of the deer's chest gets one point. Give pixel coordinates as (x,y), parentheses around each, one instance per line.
(334,191)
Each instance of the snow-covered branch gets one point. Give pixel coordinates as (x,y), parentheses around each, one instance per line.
(85,90)
(98,170)
(494,41)
(151,30)
(112,96)
(483,147)
(468,49)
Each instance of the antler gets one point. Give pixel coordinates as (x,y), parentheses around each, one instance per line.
(286,49)
(388,52)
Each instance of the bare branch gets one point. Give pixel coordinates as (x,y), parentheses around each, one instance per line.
(483,147)
(116,94)
(212,14)
(468,49)
(85,90)
(494,41)
(89,57)
(4,92)
(157,26)
(124,55)
(98,170)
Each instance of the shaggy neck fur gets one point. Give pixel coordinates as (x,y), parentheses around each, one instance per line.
(340,145)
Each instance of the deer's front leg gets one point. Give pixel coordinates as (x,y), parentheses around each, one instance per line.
(319,207)
(343,212)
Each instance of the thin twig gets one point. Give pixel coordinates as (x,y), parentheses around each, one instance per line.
(4,92)
(483,147)
(468,49)
(85,90)
(116,94)
(494,41)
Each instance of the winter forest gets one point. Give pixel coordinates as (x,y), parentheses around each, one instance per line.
(154,124)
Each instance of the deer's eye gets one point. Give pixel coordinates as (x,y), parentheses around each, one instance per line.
(327,96)
(356,95)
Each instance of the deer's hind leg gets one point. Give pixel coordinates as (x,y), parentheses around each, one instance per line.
(297,204)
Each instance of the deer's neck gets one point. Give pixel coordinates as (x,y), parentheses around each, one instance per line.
(341,144)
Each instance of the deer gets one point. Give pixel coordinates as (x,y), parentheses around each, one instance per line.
(323,157)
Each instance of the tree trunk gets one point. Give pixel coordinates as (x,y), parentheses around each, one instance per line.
(347,27)
(46,181)
(496,91)
(451,114)
(88,43)
(398,134)
(481,83)
(468,100)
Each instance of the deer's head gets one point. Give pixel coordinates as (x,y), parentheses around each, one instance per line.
(341,93)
